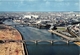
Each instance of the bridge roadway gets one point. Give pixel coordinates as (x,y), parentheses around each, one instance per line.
(34,41)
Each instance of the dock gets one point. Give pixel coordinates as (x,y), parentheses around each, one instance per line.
(11,47)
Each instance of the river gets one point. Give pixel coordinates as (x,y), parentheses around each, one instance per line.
(45,47)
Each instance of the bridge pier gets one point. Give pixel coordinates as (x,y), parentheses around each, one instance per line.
(35,42)
(51,42)
(67,42)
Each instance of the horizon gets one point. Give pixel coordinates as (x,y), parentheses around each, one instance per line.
(39,11)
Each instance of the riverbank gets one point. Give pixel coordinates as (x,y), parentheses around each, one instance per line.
(67,37)
(10,48)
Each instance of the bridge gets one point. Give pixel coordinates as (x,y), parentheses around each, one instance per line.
(37,41)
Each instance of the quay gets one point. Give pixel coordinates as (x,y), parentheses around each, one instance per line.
(11,47)
(75,40)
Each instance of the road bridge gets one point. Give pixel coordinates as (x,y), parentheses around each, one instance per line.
(36,41)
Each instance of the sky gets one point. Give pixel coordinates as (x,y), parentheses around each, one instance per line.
(39,5)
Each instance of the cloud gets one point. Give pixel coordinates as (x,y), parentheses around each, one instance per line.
(31,0)
(0,3)
(59,0)
(67,4)
(77,4)
(17,0)
(47,2)
(21,1)
(44,0)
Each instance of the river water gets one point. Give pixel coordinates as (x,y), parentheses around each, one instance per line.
(57,49)
(45,47)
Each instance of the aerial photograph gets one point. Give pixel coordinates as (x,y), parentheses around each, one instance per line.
(39,27)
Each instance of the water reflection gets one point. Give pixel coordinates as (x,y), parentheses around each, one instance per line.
(55,49)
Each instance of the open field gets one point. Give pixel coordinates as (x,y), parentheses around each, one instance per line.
(10,48)
(9,33)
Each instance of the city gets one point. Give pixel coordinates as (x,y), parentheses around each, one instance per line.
(39,27)
(32,32)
